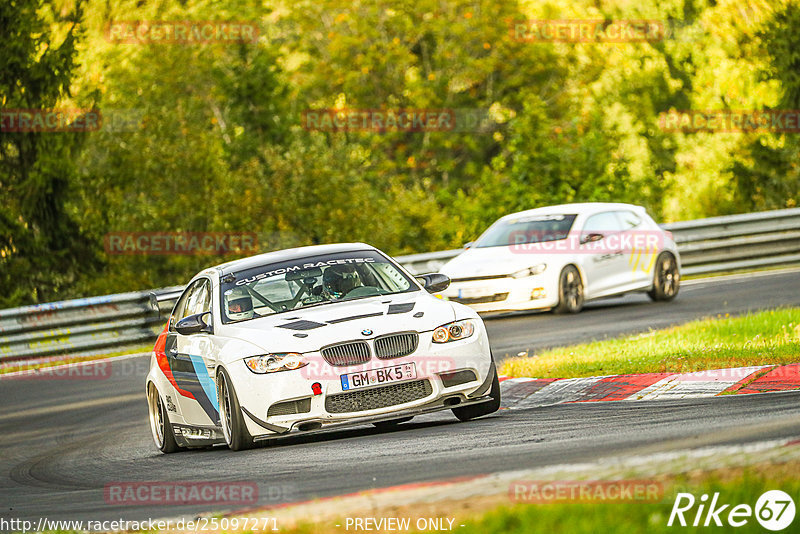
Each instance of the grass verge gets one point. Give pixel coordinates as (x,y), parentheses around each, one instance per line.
(735,486)
(768,337)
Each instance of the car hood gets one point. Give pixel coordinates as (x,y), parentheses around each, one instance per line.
(493,261)
(308,330)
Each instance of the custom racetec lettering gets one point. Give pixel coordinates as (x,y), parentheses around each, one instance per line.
(300,267)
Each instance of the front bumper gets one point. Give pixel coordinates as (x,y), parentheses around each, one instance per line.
(313,426)
(259,394)
(505,294)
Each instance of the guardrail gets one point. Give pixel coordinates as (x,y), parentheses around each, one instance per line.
(115,322)
(83,326)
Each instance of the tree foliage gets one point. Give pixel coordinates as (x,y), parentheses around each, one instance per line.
(216,142)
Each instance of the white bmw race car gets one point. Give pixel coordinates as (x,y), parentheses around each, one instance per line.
(561,256)
(313,338)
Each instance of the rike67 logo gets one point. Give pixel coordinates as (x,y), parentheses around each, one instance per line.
(774,510)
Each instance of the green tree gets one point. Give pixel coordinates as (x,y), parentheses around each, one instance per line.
(41,247)
(768,177)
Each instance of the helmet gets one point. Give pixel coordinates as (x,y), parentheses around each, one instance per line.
(338,280)
(238,304)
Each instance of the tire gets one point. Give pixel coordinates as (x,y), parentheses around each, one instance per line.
(570,291)
(163,434)
(385,425)
(230,413)
(466,413)
(666,278)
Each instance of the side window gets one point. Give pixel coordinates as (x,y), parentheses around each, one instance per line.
(602,223)
(200,299)
(629,219)
(188,301)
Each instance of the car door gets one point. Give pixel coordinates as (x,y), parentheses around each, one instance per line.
(192,359)
(640,255)
(604,262)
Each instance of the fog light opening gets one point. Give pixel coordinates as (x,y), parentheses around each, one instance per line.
(538,293)
(309,425)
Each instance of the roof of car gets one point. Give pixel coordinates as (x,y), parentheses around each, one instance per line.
(279,256)
(577,208)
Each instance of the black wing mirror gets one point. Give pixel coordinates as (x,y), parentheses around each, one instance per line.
(590,238)
(435,282)
(194,324)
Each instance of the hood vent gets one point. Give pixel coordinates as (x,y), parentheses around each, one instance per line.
(354,317)
(302,325)
(400,308)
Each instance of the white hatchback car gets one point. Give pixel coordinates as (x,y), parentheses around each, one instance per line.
(312,338)
(561,256)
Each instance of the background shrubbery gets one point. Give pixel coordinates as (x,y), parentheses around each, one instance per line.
(222,147)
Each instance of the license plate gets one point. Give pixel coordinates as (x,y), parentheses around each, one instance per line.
(372,377)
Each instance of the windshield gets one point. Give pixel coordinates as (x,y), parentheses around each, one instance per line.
(529,229)
(311,281)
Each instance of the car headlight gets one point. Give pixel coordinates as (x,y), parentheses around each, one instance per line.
(530,271)
(453,331)
(272,363)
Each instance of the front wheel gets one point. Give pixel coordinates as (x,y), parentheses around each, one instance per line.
(570,291)
(163,434)
(466,413)
(230,413)
(666,279)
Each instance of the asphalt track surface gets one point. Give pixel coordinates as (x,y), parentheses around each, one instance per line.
(64,440)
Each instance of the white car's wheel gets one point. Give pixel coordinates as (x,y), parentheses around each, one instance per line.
(570,291)
(666,278)
(230,413)
(163,435)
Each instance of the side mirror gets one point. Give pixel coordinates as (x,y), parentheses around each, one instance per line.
(435,282)
(468,244)
(591,238)
(153,303)
(193,324)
